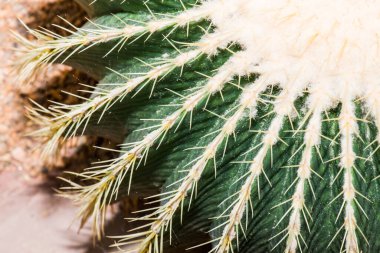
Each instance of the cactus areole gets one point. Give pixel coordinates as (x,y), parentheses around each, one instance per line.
(257,120)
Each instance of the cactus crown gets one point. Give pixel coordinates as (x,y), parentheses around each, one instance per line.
(257,119)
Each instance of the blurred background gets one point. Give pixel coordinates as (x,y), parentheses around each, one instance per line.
(32,217)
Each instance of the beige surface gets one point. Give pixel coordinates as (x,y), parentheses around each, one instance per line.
(35,221)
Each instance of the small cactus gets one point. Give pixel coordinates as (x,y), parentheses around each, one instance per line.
(257,120)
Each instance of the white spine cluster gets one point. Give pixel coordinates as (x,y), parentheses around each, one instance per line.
(163,215)
(348,127)
(94,198)
(283,108)
(65,120)
(50,46)
(311,140)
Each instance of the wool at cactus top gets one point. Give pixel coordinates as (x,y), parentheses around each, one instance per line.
(323,43)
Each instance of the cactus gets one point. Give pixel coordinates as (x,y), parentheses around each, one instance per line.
(257,120)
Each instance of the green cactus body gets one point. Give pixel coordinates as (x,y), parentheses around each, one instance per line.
(257,120)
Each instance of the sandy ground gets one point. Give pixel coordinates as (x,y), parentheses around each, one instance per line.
(32,218)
